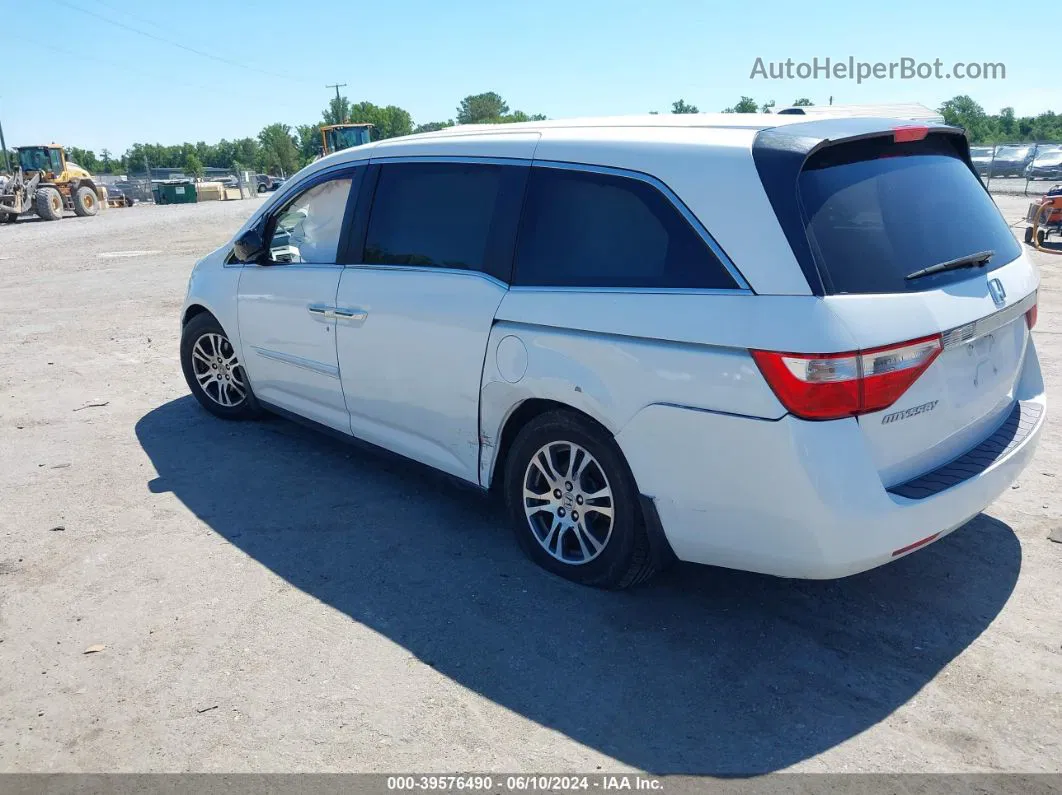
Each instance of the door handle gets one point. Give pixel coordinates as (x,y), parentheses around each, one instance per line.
(352,314)
(322,311)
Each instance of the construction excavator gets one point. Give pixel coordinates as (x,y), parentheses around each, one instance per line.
(46,183)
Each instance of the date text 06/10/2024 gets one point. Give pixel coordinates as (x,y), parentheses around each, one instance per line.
(521,783)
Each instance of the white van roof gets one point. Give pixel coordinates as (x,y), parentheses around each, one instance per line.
(912,111)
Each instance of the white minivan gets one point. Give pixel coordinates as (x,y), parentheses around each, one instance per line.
(798,347)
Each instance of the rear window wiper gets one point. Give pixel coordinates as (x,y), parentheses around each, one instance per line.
(969,261)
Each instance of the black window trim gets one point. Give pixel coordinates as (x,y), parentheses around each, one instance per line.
(368,190)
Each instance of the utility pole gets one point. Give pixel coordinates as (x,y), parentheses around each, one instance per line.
(337,86)
(3,146)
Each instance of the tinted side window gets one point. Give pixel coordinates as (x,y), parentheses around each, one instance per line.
(585,229)
(307,230)
(447,215)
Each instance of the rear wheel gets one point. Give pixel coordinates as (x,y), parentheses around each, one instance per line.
(49,204)
(573,503)
(1028,235)
(86,202)
(213,372)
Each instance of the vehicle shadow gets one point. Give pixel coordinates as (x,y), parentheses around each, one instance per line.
(703,671)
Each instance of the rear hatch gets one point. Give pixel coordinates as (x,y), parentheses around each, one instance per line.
(912,253)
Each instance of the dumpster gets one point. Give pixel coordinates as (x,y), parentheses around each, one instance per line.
(175,193)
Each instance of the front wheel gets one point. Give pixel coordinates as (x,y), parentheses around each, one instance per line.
(574,504)
(213,373)
(49,204)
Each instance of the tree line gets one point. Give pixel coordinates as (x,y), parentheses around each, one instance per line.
(281,148)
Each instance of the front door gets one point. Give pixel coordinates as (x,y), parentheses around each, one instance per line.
(413,318)
(286,304)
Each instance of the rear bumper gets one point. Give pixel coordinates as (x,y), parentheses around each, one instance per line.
(803,499)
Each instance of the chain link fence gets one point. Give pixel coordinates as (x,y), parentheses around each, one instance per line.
(1027,168)
(221,184)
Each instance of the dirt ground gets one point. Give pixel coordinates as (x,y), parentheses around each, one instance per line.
(268,599)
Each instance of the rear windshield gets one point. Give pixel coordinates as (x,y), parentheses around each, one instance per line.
(876,211)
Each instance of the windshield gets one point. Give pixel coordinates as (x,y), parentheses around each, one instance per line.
(346,137)
(875,211)
(34,158)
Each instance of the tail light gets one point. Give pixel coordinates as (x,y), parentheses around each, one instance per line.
(1030,317)
(827,386)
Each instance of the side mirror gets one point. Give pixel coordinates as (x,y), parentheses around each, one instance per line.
(250,246)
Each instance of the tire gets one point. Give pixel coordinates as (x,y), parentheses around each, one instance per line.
(129,201)
(583,548)
(86,202)
(49,204)
(8,218)
(261,188)
(206,353)
(1041,236)
(1028,235)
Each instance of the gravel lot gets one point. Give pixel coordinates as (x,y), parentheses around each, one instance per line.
(269,599)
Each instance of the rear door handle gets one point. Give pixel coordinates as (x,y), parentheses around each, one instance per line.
(351,314)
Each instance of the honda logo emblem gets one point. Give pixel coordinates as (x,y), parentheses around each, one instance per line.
(999,295)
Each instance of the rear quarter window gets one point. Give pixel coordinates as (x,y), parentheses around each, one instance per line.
(590,229)
(876,211)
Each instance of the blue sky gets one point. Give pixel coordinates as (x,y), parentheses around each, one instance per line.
(103,86)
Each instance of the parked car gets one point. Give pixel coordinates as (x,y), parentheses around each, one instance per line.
(116,193)
(982,158)
(267,182)
(623,328)
(138,190)
(1046,165)
(1011,161)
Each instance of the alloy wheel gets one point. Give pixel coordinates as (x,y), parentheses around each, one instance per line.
(569,502)
(218,372)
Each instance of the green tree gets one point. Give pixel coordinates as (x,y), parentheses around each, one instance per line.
(193,165)
(338,111)
(279,149)
(85,158)
(309,136)
(480,108)
(803,102)
(433,126)
(1008,125)
(680,106)
(388,122)
(105,161)
(745,105)
(490,108)
(962,111)
(766,106)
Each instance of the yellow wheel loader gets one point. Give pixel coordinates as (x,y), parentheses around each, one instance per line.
(335,137)
(46,183)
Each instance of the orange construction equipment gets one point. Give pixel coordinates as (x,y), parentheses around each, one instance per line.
(1044,218)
